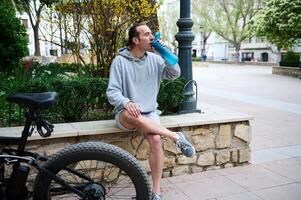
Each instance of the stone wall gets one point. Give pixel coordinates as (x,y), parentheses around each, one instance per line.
(287,71)
(217,145)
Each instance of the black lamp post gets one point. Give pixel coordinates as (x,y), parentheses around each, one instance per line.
(185,38)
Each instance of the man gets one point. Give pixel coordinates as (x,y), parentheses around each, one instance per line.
(134,82)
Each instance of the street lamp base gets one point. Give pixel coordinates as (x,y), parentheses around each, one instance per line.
(189,106)
(189,111)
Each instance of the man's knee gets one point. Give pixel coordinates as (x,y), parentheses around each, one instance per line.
(155,141)
(127,120)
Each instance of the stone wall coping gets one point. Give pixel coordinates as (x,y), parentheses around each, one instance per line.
(210,114)
(285,67)
(287,71)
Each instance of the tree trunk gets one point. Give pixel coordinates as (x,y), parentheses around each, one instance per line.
(61,33)
(204,43)
(278,55)
(237,57)
(37,51)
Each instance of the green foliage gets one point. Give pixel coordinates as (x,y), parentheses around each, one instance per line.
(102,23)
(13,38)
(79,94)
(279,21)
(290,59)
(230,18)
(170,95)
(81,97)
(196,59)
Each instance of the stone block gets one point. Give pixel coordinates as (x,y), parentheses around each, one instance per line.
(238,143)
(196,169)
(170,146)
(188,131)
(50,152)
(243,132)
(214,129)
(234,156)
(169,162)
(145,164)
(179,170)
(244,155)
(50,149)
(213,168)
(166,174)
(203,142)
(206,159)
(200,131)
(141,147)
(222,156)
(224,136)
(126,145)
(228,165)
(183,160)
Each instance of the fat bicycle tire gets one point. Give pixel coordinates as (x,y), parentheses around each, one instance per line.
(109,155)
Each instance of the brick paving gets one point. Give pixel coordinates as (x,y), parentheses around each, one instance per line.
(275,103)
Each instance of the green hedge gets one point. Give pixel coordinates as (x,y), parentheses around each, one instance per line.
(196,59)
(81,97)
(290,59)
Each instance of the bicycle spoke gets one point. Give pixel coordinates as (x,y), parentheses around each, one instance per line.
(117,185)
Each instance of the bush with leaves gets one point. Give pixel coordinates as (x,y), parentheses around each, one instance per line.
(81,98)
(13,38)
(290,59)
(170,96)
(279,21)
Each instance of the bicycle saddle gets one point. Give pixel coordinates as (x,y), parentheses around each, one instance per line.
(34,100)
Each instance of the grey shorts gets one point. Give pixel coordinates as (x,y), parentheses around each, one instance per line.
(154,115)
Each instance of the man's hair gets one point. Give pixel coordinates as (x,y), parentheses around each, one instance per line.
(133,33)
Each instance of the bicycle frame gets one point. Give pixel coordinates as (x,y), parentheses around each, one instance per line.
(20,141)
(15,157)
(53,174)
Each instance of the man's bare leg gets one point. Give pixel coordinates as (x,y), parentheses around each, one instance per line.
(156,160)
(145,125)
(153,133)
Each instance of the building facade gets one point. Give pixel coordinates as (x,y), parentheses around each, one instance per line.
(252,50)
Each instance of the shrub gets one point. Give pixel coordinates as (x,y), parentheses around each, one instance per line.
(13,38)
(196,59)
(8,85)
(290,59)
(170,95)
(81,98)
(79,95)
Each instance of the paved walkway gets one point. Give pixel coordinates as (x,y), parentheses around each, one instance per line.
(275,169)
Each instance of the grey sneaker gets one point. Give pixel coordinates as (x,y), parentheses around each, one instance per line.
(185,146)
(156,197)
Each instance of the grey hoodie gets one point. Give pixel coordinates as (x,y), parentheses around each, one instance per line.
(138,80)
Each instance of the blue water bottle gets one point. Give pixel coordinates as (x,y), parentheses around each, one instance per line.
(171,58)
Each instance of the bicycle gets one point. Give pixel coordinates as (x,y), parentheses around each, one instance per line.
(88,170)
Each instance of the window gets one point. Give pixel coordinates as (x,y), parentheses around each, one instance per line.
(247,56)
(248,40)
(25,23)
(260,40)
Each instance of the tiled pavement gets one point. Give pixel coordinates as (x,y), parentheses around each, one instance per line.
(275,169)
(273,180)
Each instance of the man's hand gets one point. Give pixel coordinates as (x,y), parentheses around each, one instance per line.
(133,109)
(154,50)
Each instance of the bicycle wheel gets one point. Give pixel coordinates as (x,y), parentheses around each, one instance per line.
(100,171)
